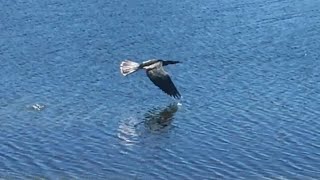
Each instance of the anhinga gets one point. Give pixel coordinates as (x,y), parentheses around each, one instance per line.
(155,72)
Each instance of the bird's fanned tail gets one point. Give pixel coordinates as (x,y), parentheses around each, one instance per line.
(127,67)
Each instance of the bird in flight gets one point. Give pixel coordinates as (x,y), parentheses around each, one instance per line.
(155,72)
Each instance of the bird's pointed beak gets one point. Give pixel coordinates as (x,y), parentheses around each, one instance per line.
(175,62)
(170,62)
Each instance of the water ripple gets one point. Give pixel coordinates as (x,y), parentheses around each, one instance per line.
(249,83)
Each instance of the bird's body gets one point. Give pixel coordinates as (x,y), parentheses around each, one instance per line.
(151,64)
(155,72)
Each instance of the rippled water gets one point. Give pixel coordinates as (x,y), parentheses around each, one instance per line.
(250,81)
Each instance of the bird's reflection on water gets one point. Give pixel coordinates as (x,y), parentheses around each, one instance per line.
(157,119)
(154,121)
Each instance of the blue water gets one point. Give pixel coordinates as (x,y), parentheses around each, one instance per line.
(250,81)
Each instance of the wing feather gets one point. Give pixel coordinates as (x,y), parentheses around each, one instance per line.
(162,79)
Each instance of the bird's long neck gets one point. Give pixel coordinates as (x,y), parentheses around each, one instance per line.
(164,63)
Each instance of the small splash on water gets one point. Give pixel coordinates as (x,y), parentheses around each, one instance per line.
(36,107)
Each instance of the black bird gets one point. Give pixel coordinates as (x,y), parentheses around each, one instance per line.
(155,72)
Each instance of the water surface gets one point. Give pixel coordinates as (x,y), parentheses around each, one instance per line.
(249,80)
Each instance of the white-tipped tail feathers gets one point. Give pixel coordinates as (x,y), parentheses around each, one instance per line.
(127,67)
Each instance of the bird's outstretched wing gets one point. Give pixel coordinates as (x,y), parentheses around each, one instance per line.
(161,79)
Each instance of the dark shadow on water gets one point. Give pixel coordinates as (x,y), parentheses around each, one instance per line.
(158,119)
(155,120)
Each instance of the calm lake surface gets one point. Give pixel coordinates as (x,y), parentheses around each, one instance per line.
(250,81)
